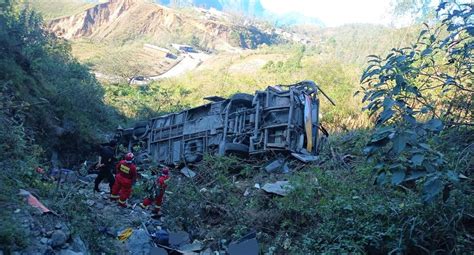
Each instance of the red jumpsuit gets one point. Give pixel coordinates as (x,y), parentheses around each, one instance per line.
(161,182)
(124,179)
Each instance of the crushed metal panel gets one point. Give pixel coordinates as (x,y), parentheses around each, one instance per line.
(304,157)
(281,188)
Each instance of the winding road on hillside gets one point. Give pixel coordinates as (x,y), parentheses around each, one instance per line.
(189,62)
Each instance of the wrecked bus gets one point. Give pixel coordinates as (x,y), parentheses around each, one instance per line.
(281,118)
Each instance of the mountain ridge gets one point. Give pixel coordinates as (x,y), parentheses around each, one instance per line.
(131,19)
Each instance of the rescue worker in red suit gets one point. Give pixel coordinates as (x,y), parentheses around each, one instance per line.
(124,179)
(159,189)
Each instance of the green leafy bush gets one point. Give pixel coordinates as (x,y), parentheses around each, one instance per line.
(415,92)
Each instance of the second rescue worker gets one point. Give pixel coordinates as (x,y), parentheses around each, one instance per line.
(124,179)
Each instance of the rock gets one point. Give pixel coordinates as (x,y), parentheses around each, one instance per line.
(99,206)
(161,237)
(69,252)
(257,186)
(246,247)
(281,188)
(36,233)
(208,251)
(90,202)
(89,177)
(72,177)
(78,245)
(64,228)
(44,240)
(178,238)
(58,238)
(139,242)
(158,251)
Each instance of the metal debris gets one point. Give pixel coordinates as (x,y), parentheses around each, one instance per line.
(275,166)
(304,157)
(281,188)
(188,172)
(33,201)
(195,246)
(247,192)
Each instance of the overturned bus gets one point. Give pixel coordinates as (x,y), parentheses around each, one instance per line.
(281,118)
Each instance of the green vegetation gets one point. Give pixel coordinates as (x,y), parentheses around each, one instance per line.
(334,208)
(415,93)
(48,102)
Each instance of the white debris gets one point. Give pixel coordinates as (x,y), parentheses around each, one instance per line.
(188,172)
(281,188)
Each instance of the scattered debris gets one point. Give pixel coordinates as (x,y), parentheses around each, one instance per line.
(281,188)
(33,201)
(305,157)
(247,192)
(125,234)
(274,166)
(286,168)
(248,245)
(193,247)
(64,175)
(188,172)
(162,237)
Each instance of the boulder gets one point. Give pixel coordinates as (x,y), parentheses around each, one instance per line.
(139,242)
(78,245)
(58,238)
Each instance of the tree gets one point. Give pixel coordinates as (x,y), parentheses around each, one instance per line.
(415,92)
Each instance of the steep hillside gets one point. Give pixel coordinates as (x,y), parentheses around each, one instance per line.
(124,20)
